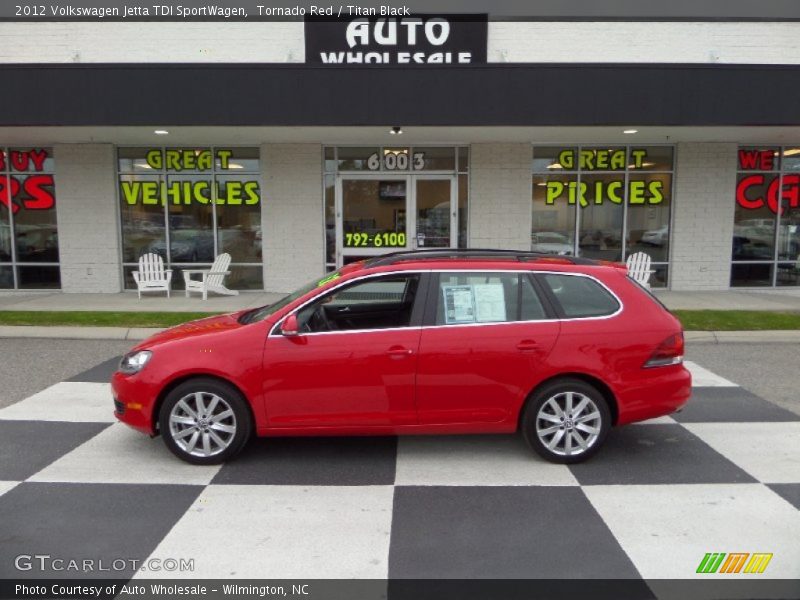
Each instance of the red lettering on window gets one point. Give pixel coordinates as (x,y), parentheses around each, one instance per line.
(38,157)
(741,192)
(756,159)
(9,184)
(41,198)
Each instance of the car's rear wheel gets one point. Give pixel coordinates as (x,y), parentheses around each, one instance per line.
(205,421)
(566,421)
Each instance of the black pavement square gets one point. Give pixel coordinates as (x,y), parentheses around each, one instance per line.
(313,461)
(657,454)
(788,491)
(99,373)
(499,532)
(72,521)
(27,447)
(731,405)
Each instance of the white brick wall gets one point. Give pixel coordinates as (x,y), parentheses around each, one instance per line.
(31,42)
(668,42)
(703,208)
(291,215)
(500,196)
(88,222)
(279,42)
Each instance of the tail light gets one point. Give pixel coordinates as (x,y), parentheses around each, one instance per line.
(669,352)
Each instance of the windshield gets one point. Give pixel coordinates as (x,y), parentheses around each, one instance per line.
(261,313)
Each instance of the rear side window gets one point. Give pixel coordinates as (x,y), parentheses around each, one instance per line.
(581,296)
(486,297)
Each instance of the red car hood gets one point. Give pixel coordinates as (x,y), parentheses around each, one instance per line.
(194,328)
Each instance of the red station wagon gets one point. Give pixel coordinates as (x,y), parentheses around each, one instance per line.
(429,342)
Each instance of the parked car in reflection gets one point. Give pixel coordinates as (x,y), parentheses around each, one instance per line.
(655,237)
(37,243)
(550,242)
(187,245)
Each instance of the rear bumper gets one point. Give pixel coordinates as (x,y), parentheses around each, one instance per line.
(660,391)
(133,402)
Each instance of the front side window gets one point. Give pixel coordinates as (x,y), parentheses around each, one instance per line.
(375,303)
(466,298)
(29,255)
(190,205)
(580,296)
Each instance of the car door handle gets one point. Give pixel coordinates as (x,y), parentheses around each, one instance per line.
(527,346)
(399,351)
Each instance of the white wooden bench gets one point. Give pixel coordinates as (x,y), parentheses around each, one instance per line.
(152,276)
(639,268)
(210,279)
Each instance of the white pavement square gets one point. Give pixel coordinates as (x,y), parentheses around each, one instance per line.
(121,455)
(667,529)
(292,532)
(770,452)
(66,401)
(6,486)
(474,460)
(702,377)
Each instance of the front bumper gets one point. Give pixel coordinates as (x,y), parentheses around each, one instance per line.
(134,401)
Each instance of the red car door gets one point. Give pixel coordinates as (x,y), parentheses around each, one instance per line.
(354,362)
(478,363)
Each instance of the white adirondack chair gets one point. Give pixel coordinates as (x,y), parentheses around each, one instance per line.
(152,276)
(210,279)
(639,268)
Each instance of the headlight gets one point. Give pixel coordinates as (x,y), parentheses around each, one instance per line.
(134,362)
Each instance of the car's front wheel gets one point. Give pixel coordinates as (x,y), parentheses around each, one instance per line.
(566,421)
(205,421)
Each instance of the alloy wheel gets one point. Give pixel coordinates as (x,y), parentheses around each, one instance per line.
(202,424)
(568,423)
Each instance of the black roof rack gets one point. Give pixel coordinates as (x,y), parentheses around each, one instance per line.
(456,253)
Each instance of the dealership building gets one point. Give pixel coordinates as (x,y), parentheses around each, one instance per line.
(298,146)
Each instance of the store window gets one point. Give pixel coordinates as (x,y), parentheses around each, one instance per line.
(390,198)
(29,256)
(189,205)
(604,202)
(766,228)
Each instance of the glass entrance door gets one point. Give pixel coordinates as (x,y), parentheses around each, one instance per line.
(377,214)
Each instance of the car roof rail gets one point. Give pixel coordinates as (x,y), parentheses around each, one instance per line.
(479,253)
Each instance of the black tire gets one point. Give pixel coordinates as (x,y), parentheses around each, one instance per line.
(240,421)
(557,390)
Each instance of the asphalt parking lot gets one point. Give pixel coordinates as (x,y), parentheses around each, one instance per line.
(722,476)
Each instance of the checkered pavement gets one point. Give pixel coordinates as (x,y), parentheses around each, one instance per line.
(721,476)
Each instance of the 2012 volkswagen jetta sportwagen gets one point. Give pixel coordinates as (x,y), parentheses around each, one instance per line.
(433,342)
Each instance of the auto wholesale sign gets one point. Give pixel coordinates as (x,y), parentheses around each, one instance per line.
(419,40)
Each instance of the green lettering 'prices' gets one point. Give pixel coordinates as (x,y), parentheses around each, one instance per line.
(328,279)
(554,190)
(656,190)
(636,192)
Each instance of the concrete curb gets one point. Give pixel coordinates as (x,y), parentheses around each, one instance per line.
(77,333)
(140,333)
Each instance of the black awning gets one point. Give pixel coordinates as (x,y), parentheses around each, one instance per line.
(485,95)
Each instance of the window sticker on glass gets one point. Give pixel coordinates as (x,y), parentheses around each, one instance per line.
(328,279)
(459,304)
(490,302)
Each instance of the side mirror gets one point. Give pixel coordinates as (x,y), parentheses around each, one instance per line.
(290,326)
